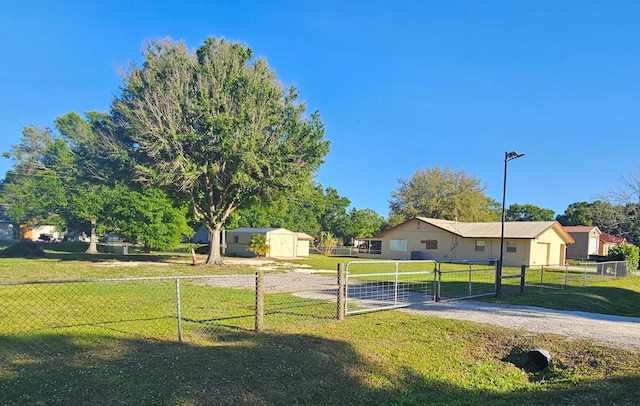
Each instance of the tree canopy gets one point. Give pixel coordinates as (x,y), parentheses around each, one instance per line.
(215,129)
(442,193)
(528,212)
(71,180)
(313,209)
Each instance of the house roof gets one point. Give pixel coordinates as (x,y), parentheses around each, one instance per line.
(581,229)
(610,239)
(513,229)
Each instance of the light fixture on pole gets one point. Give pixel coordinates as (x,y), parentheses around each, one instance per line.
(508,156)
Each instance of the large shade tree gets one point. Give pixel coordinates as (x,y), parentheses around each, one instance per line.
(296,210)
(216,129)
(442,193)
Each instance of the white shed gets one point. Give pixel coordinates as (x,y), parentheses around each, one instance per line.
(282,242)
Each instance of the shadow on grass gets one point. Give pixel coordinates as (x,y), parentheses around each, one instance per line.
(75,251)
(241,368)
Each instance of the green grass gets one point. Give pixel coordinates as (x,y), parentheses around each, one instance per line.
(620,297)
(90,354)
(382,358)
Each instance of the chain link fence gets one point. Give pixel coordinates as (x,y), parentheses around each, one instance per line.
(45,318)
(583,274)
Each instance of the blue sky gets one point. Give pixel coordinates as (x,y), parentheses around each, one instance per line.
(399,85)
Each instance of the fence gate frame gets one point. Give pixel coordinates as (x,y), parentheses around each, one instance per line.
(392,285)
(343,290)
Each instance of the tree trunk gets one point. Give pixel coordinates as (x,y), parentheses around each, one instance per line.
(93,240)
(214,247)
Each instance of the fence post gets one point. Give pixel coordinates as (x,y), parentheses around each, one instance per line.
(523,269)
(498,266)
(395,287)
(178,310)
(541,277)
(439,285)
(259,301)
(341,293)
(566,275)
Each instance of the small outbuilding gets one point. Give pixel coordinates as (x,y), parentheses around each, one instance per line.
(282,242)
(587,241)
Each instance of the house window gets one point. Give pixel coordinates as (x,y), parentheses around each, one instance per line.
(236,239)
(398,245)
(480,244)
(430,244)
(511,246)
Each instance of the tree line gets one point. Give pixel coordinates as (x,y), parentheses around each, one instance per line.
(192,137)
(448,194)
(210,136)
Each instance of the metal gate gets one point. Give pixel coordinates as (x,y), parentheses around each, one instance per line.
(386,284)
(381,285)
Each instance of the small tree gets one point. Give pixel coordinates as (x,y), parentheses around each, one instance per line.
(326,242)
(259,244)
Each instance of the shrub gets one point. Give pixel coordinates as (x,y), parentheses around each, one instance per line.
(259,244)
(326,242)
(629,253)
(24,249)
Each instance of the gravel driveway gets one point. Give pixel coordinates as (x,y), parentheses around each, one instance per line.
(610,330)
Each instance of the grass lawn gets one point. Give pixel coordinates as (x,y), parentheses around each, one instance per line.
(388,358)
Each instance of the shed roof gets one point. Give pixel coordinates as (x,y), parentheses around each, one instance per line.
(257,230)
(304,236)
(581,229)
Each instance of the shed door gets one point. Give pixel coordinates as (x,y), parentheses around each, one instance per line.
(282,245)
(593,246)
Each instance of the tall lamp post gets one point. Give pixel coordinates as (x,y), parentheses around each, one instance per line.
(508,156)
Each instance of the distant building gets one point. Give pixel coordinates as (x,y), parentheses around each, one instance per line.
(587,241)
(608,241)
(7,227)
(525,242)
(282,242)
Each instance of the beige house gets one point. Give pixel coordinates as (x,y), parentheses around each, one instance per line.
(587,241)
(525,242)
(282,242)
